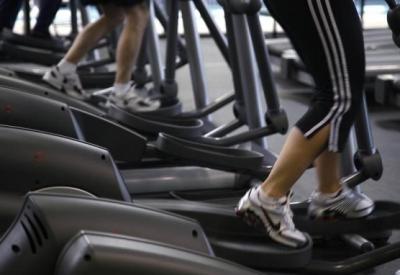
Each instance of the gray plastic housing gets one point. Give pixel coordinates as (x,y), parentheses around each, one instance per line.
(37,112)
(48,221)
(31,160)
(107,254)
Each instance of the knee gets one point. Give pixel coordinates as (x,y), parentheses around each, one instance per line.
(112,20)
(138,14)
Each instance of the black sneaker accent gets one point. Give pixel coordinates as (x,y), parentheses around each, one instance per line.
(275,227)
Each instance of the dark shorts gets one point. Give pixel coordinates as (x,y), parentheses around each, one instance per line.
(114,2)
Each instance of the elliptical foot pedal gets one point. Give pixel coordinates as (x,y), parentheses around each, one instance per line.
(153,125)
(385,216)
(223,157)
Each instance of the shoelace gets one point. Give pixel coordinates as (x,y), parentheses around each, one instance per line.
(72,78)
(288,219)
(285,213)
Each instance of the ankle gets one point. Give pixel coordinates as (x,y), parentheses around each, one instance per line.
(271,197)
(330,190)
(120,88)
(66,67)
(271,192)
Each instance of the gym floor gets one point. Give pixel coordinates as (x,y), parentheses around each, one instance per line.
(385,124)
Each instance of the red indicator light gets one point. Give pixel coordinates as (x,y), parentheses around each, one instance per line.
(7,108)
(39,157)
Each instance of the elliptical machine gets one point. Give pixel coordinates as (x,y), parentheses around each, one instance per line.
(214,218)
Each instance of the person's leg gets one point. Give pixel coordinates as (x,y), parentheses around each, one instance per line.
(332,199)
(129,43)
(92,33)
(47,12)
(8,13)
(327,168)
(297,154)
(329,41)
(64,76)
(338,68)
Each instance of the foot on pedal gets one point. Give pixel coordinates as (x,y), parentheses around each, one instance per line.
(67,83)
(346,203)
(274,214)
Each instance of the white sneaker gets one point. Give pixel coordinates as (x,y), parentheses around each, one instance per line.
(67,83)
(135,100)
(346,204)
(275,215)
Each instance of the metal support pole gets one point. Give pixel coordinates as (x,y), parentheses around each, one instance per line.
(73,6)
(362,125)
(194,55)
(233,56)
(347,155)
(264,64)
(216,34)
(254,115)
(172,37)
(153,50)
(163,18)
(27,17)
(362,11)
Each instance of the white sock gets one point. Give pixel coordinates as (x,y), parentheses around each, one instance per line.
(120,88)
(269,200)
(66,67)
(330,195)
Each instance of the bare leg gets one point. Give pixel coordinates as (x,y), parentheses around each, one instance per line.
(92,33)
(297,155)
(328,172)
(130,41)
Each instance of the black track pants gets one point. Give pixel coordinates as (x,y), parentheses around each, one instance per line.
(327,35)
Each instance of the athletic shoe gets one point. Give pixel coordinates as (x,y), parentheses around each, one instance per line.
(346,204)
(67,83)
(135,100)
(275,215)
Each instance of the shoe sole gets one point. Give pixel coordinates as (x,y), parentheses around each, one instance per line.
(254,218)
(61,88)
(52,83)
